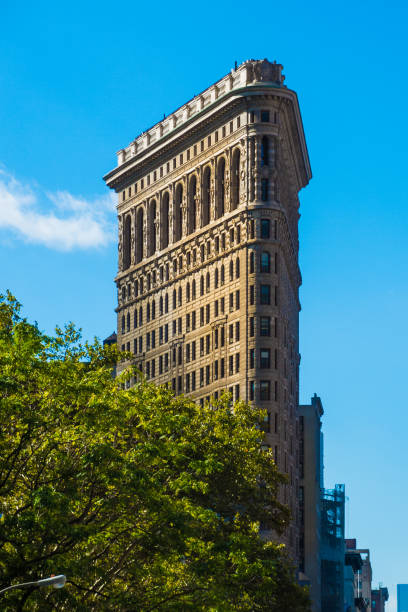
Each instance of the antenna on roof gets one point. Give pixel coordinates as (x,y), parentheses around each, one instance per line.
(236,64)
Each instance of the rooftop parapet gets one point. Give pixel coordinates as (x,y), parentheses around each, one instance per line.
(249,73)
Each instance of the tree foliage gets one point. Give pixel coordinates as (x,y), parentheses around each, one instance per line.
(145,501)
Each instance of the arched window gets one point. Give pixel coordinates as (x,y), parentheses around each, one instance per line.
(174,299)
(139,235)
(216,278)
(231,270)
(135,318)
(207,281)
(235,179)
(202,285)
(265,262)
(237,268)
(128,322)
(178,213)
(123,324)
(252,263)
(222,274)
(265,151)
(193,290)
(206,204)
(164,221)
(153,310)
(126,242)
(161,305)
(152,227)
(192,212)
(220,207)
(140,316)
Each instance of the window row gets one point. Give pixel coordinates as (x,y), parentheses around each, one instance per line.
(204,311)
(198,212)
(267,295)
(179,160)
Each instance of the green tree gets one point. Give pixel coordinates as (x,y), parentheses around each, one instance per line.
(145,501)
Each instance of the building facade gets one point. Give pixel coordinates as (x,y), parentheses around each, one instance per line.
(208,273)
(311,486)
(402,597)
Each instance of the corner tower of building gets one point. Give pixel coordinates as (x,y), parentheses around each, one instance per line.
(208,274)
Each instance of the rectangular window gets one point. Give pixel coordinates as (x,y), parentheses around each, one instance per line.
(153,339)
(231,302)
(174,327)
(207,344)
(201,346)
(166,332)
(265,326)
(237,299)
(188,322)
(231,365)
(276,359)
(222,368)
(187,383)
(252,390)
(236,363)
(237,331)
(193,320)
(265,228)
(216,308)
(153,368)
(135,346)
(193,385)
(264,390)
(216,369)
(251,295)
(222,342)
(251,327)
(201,377)
(265,116)
(161,335)
(231,333)
(202,315)
(207,313)
(236,393)
(187,353)
(161,364)
(265,358)
(193,350)
(251,358)
(166,361)
(276,391)
(140,344)
(264,189)
(148,341)
(207,375)
(276,295)
(216,338)
(180,384)
(222,305)
(265,294)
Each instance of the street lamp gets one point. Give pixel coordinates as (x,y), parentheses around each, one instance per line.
(56,581)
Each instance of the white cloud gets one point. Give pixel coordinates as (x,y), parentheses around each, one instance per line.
(57,220)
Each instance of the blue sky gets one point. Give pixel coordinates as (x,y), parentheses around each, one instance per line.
(78,81)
